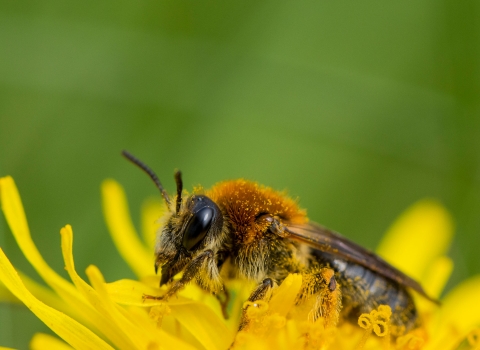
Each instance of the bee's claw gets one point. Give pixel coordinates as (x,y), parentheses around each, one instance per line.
(152,297)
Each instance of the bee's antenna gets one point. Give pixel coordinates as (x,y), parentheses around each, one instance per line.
(150,173)
(178,180)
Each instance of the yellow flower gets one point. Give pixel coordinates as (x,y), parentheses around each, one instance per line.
(100,315)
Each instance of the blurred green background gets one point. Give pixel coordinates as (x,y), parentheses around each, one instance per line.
(360,108)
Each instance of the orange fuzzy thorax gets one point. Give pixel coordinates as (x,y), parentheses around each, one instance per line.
(245,201)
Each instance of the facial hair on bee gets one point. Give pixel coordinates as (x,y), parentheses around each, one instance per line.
(241,228)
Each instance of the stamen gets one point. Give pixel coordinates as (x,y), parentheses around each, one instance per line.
(377,321)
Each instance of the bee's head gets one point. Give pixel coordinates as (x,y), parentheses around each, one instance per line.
(194,225)
(194,228)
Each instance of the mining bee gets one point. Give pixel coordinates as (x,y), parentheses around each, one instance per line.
(262,235)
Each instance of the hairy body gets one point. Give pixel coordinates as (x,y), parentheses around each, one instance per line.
(265,236)
(252,233)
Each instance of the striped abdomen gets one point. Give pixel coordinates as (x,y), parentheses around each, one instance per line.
(364,290)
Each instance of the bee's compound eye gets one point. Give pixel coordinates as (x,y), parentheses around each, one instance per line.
(197,228)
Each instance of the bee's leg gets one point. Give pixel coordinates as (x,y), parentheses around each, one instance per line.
(260,293)
(221,258)
(322,285)
(203,268)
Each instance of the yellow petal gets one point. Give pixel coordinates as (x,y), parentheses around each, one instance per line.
(121,228)
(434,281)
(204,325)
(461,307)
(270,325)
(167,341)
(15,215)
(129,292)
(138,336)
(152,211)
(458,315)
(100,315)
(16,219)
(68,329)
(437,275)
(240,291)
(422,233)
(284,297)
(41,341)
(79,308)
(6,295)
(144,334)
(4,348)
(45,295)
(142,319)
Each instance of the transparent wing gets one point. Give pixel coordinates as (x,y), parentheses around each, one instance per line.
(325,240)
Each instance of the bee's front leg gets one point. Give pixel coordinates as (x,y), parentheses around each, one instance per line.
(262,292)
(203,268)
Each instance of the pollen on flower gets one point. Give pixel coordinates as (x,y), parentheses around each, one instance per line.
(261,322)
(316,335)
(157,312)
(377,321)
(277,321)
(255,309)
(241,339)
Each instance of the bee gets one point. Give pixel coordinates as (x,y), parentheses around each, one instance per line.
(262,235)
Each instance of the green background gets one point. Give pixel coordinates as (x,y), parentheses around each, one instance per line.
(360,108)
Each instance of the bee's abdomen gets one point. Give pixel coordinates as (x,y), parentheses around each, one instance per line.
(364,290)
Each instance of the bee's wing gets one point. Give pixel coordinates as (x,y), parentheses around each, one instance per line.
(325,240)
